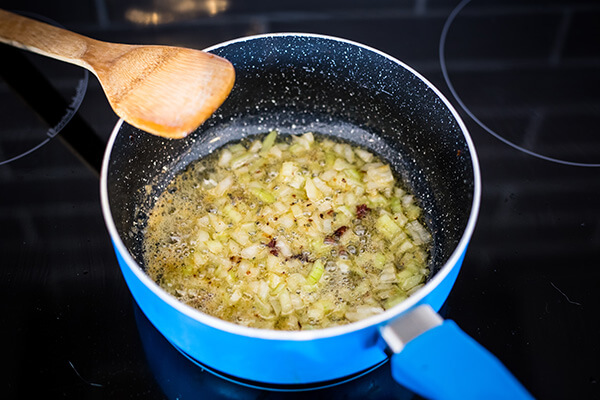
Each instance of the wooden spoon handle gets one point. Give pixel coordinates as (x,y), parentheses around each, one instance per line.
(44,39)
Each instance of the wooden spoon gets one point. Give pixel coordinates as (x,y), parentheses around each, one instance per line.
(167,91)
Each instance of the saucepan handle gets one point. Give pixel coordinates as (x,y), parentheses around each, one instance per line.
(438,360)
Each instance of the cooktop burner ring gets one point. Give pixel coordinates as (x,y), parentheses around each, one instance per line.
(71,109)
(442,56)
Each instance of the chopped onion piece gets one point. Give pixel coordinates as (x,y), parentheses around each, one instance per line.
(362,312)
(225,158)
(418,233)
(251,251)
(312,192)
(364,155)
(288,170)
(286,302)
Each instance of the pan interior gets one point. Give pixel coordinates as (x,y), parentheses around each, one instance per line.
(296,84)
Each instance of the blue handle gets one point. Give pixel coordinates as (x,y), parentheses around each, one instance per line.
(445,363)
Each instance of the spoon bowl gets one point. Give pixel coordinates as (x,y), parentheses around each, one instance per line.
(167,91)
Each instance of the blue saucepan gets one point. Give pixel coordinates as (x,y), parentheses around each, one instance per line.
(297,83)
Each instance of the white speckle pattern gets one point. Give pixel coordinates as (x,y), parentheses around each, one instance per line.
(297,83)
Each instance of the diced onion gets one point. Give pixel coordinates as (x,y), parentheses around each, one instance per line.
(291,234)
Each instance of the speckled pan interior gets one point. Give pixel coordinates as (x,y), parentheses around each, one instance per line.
(298,83)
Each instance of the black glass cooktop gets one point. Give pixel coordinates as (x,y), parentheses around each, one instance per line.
(524,75)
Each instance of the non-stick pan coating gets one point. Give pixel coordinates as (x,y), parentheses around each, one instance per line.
(294,85)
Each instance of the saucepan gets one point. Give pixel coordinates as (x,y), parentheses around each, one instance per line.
(296,83)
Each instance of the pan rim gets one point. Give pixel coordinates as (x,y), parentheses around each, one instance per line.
(370,322)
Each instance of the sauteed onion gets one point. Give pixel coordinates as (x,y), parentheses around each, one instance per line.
(291,233)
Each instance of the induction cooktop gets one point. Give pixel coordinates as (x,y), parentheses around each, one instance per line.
(525,77)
